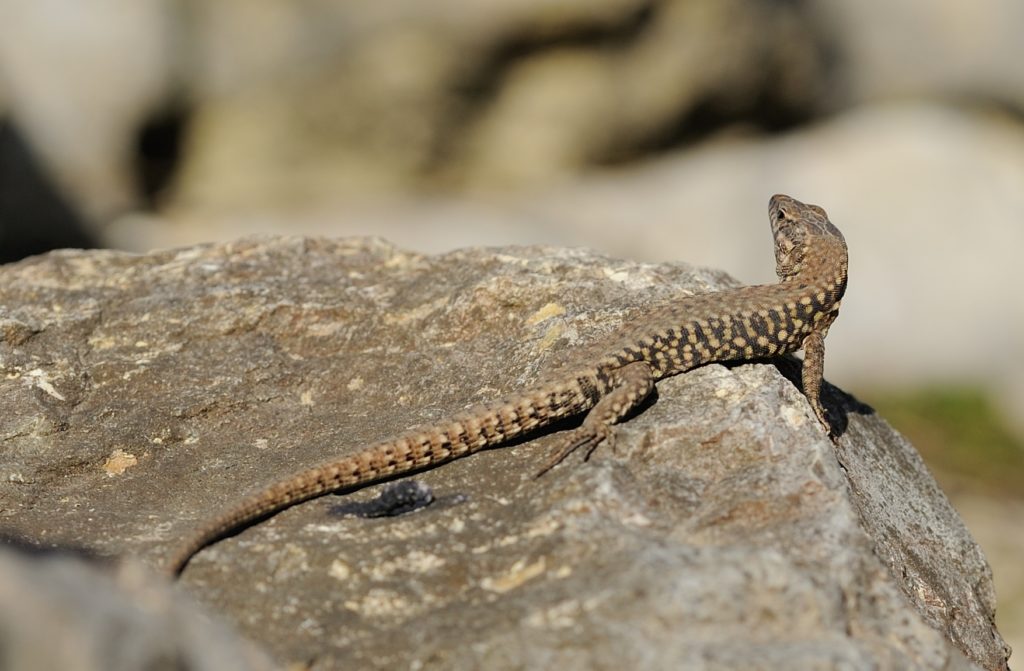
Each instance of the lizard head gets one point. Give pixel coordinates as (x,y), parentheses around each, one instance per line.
(800,230)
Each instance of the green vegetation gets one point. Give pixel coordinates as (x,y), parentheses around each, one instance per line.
(961,435)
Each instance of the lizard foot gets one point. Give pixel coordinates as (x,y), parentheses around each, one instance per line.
(588,437)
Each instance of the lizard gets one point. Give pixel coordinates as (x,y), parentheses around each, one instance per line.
(608,380)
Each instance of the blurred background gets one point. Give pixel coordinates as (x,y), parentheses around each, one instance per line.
(648,129)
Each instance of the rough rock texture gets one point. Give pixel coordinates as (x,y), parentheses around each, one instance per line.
(724,530)
(59,614)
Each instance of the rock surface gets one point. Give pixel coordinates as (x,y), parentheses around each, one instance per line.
(724,530)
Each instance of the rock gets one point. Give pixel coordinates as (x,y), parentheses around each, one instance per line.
(724,530)
(59,614)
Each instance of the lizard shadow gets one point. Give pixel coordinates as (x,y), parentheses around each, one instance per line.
(402,494)
(26,546)
(838,404)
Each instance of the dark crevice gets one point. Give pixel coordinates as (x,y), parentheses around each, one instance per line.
(764,113)
(32,548)
(158,148)
(490,74)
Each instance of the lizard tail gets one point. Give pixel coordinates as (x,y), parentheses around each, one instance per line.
(250,510)
(466,433)
(405,454)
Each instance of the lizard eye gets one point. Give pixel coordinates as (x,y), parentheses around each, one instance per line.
(780,215)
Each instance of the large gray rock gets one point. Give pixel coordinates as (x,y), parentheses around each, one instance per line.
(725,530)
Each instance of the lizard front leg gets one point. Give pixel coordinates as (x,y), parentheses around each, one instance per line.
(813,373)
(630,384)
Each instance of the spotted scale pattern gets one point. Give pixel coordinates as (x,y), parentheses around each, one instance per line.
(610,379)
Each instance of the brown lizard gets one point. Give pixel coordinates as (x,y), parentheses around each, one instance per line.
(609,379)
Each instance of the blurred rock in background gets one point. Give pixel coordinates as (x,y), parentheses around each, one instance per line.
(34,215)
(652,130)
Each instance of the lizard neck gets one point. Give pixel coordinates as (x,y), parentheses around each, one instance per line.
(822,274)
